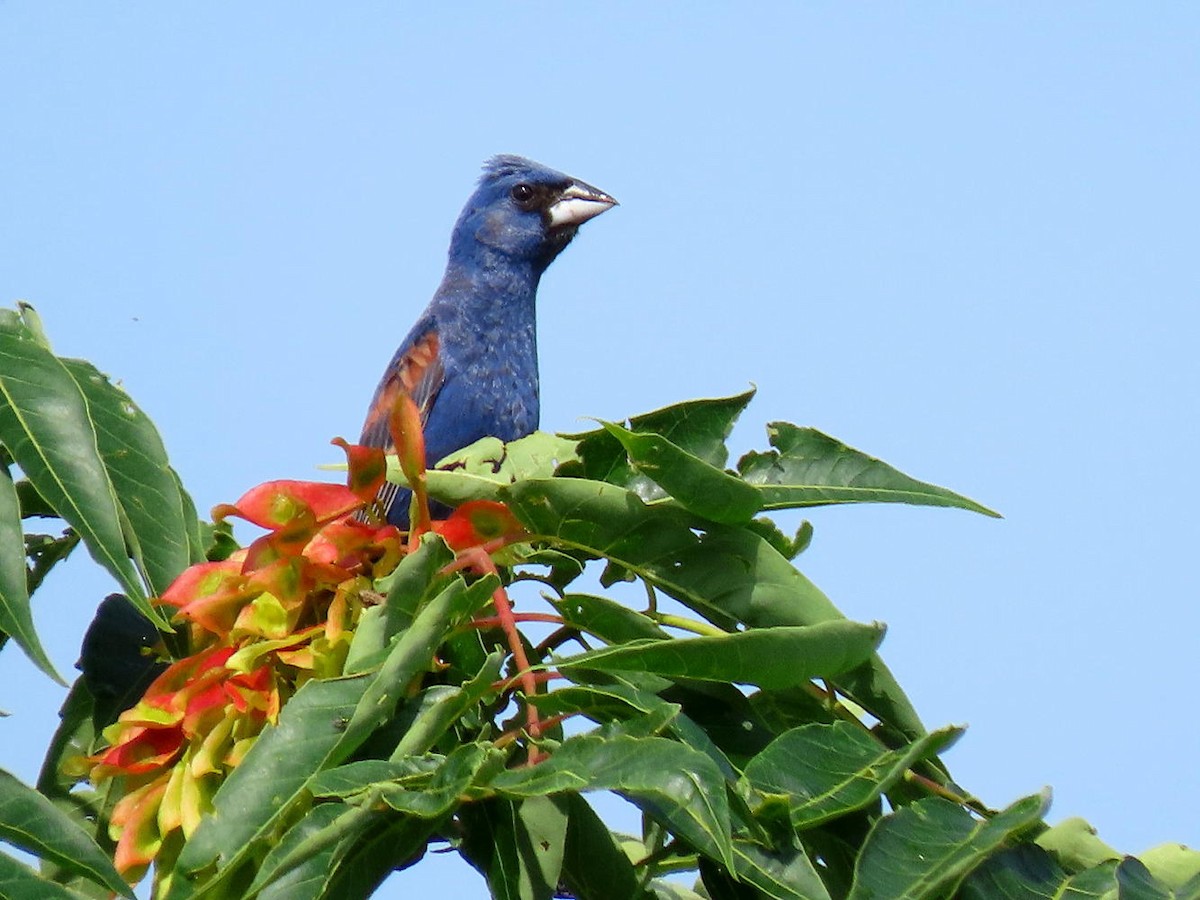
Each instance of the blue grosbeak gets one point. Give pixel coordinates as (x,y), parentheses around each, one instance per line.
(470,361)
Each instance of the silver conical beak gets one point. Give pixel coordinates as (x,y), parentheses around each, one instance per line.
(578,203)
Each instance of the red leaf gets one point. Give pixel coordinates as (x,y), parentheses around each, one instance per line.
(286,504)
(367,469)
(476,522)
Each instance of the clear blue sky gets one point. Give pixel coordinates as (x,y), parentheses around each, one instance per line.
(960,237)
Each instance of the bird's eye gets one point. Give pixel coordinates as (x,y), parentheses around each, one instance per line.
(522,193)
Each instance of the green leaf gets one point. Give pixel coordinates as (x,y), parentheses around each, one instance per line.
(30,821)
(515,849)
(17,880)
(1172,864)
(728,574)
(819,772)
(1134,882)
(1027,872)
(808,468)
(147,489)
(441,792)
(307,879)
(771,657)
(47,427)
(434,719)
(594,866)
(698,427)
(1074,842)
(608,620)
(385,848)
(925,849)
(476,472)
(786,874)
(270,780)
(679,787)
(534,456)
(703,489)
(33,504)
(319,727)
(16,618)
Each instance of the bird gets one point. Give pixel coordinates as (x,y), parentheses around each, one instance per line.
(469,363)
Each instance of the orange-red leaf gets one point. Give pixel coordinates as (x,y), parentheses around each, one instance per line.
(285,504)
(367,469)
(476,522)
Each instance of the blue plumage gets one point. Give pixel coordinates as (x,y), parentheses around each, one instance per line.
(470,361)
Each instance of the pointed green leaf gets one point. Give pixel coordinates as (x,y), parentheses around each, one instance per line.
(499,843)
(391,846)
(47,427)
(698,427)
(148,490)
(269,782)
(1027,872)
(808,468)
(925,849)
(30,821)
(676,785)
(307,879)
(442,791)
(319,727)
(16,619)
(17,880)
(612,622)
(786,874)
(777,657)
(819,772)
(434,719)
(728,574)
(594,865)
(699,487)
(1134,882)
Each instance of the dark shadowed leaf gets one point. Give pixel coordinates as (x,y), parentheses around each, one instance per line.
(518,845)
(1027,872)
(786,874)
(771,657)
(925,849)
(818,772)
(30,821)
(594,865)
(16,619)
(612,622)
(47,427)
(434,718)
(394,844)
(1134,882)
(808,468)
(307,879)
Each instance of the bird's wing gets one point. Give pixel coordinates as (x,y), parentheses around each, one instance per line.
(416,370)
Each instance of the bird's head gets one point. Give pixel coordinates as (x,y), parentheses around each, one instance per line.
(525,211)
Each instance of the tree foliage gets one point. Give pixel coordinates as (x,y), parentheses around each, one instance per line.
(303,716)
